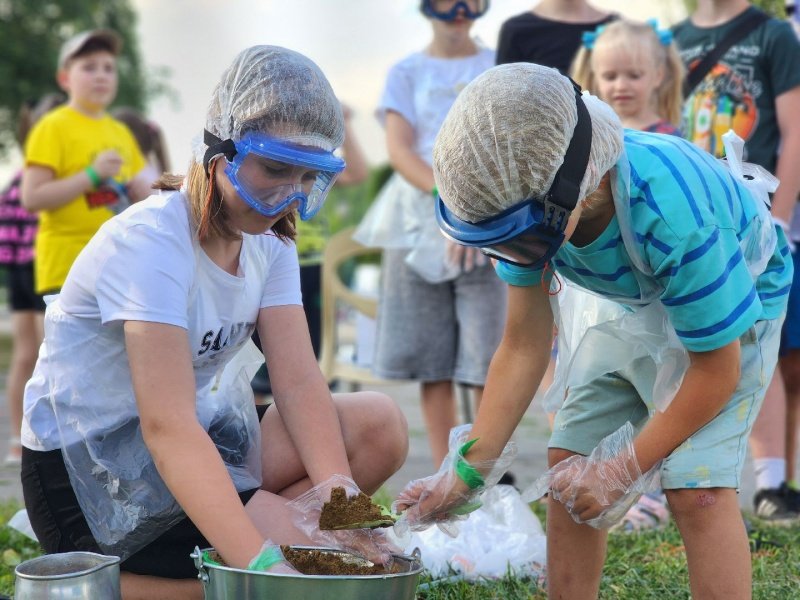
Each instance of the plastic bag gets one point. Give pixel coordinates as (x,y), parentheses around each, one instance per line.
(395,219)
(429,256)
(502,534)
(20,522)
(402,217)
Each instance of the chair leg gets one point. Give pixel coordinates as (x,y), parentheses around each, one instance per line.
(465,397)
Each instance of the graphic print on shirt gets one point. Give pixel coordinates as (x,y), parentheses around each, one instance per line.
(725,99)
(215,341)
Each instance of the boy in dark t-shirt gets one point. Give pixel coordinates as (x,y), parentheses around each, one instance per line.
(754,89)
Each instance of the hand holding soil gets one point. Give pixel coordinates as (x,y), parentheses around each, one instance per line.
(357,512)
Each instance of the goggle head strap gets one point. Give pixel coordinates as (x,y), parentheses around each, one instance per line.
(566,185)
(217,146)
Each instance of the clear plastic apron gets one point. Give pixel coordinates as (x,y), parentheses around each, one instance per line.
(596,335)
(123,498)
(402,217)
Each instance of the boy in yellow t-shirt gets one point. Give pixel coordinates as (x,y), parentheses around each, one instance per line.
(81,165)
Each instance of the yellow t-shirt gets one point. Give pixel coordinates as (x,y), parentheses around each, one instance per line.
(68,141)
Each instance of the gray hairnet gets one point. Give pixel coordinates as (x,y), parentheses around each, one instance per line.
(506,135)
(279,92)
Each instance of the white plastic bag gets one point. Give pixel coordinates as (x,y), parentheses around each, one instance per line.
(20,522)
(501,535)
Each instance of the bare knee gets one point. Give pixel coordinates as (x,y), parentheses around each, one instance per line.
(386,432)
(698,504)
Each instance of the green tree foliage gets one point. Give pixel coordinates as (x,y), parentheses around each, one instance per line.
(31,34)
(776,8)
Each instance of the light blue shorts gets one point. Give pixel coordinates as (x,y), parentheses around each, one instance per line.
(714,455)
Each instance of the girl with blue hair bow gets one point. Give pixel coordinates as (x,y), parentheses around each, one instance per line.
(636,69)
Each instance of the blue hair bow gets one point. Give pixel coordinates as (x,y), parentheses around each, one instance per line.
(664,35)
(589,38)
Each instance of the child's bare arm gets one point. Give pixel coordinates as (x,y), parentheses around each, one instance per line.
(400,136)
(42,191)
(709,382)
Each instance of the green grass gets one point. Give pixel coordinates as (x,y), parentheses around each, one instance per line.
(647,566)
(14,546)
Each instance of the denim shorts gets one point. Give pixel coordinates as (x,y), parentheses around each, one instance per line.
(714,455)
(437,331)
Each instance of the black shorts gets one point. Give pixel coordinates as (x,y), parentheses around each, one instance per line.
(60,526)
(21,291)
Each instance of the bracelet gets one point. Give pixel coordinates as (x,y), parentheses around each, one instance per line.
(94,178)
(266,559)
(465,471)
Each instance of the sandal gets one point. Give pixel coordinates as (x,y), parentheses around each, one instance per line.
(14,454)
(649,512)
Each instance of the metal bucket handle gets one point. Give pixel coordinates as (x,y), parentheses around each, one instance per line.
(197,556)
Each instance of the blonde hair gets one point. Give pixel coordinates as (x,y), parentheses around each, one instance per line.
(620,33)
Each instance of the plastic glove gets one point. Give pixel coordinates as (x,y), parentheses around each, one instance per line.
(464,258)
(271,559)
(598,489)
(369,543)
(453,492)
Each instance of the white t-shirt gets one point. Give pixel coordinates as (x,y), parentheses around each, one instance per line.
(422,89)
(147,265)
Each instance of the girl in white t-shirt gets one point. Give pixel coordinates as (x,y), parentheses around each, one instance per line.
(441,308)
(140,411)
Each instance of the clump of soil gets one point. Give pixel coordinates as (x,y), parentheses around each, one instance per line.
(342,512)
(325,562)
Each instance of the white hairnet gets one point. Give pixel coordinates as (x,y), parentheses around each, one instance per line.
(506,135)
(278,92)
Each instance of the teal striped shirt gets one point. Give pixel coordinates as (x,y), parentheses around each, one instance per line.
(688,215)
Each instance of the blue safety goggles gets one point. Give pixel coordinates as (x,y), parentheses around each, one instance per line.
(530,232)
(256,162)
(446,10)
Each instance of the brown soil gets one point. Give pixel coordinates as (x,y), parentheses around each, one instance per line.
(322,562)
(342,511)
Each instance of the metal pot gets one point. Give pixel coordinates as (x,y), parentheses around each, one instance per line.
(225,583)
(68,576)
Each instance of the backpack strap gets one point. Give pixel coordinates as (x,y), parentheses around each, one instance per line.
(738,33)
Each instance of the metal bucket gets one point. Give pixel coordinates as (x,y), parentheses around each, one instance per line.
(225,583)
(68,576)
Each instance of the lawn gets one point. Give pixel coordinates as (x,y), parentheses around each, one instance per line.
(647,566)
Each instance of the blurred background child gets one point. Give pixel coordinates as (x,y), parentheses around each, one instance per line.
(17,235)
(81,164)
(441,310)
(636,69)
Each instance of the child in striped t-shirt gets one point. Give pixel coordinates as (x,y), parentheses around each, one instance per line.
(545,180)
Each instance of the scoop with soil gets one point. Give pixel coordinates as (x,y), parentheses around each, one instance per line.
(357,512)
